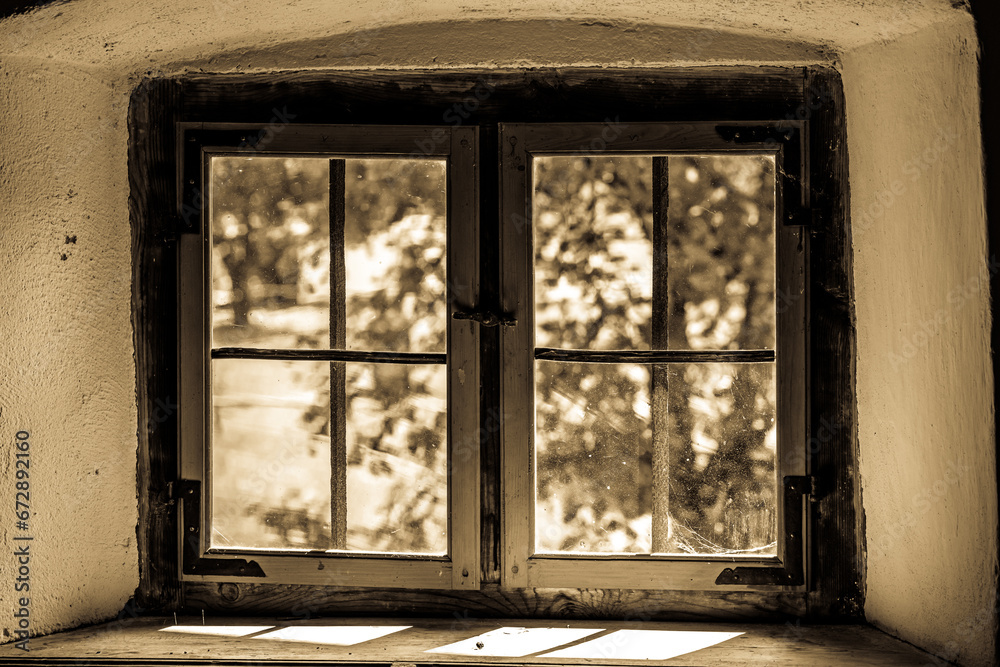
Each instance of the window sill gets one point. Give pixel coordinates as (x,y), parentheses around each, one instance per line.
(458,640)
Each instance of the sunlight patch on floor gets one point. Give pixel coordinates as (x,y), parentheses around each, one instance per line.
(642,645)
(515,642)
(338,635)
(220,630)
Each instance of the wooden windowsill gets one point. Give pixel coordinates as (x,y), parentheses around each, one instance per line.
(148,641)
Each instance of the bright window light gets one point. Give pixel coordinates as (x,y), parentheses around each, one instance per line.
(219,630)
(338,635)
(515,642)
(642,645)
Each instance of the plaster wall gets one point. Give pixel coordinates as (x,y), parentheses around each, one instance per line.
(924,380)
(66,370)
(66,365)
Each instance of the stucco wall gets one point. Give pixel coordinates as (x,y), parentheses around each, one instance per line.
(66,365)
(66,369)
(924,381)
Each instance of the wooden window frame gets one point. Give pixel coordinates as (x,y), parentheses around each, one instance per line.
(833,550)
(521,567)
(198,143)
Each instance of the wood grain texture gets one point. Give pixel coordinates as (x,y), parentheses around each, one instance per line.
(423,640)
(152,198)
(836,552)
(338,341)
(569,95)
(463,354)
(656,356)
(496,602)
(660,418)
(517,381)
(357,356)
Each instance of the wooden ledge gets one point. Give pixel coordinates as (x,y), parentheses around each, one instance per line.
(461,640)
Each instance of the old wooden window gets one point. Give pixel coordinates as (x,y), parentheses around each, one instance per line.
(658,386)
(329,395)
(540,339)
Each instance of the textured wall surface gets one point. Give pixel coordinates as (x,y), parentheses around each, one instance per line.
(66,370)
(924,383)
(66,364)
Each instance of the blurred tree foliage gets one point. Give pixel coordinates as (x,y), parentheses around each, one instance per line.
(593,224)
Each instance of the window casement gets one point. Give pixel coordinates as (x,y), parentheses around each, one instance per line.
(522,345)
(265,450)
(610,371)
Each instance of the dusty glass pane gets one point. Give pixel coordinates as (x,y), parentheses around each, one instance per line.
(593,448)
(270,225)
(596,453)
(722,440)
(397,485)
(273,284)
(394,255)
(720,253)
(271,456)
(270,459)
(594,237)
(593,240)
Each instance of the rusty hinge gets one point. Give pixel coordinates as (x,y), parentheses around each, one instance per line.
(792,571)
(188,491)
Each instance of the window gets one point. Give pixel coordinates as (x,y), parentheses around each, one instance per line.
(666,388)
(338,389)
(505,347)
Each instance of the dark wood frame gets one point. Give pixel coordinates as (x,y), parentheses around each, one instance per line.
(834,589)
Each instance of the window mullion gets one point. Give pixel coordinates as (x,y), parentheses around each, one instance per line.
(659,340)
(338,341)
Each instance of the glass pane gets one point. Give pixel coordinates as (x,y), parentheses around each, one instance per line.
(598,445)
(594,452)
(271,258)
(270,224)
(594,242)
(397,483)
(720,253)
(593,236)
(271,456)
(394,254)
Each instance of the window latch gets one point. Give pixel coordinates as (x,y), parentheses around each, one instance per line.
(487,319)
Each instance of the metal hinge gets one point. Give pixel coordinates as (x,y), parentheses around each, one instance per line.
(792,572)
(188,491)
